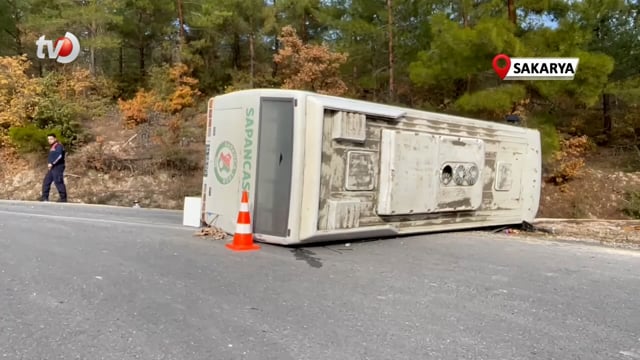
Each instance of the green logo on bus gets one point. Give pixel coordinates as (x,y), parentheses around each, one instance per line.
(226,162)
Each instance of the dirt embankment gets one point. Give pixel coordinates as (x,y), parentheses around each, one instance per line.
(120,167)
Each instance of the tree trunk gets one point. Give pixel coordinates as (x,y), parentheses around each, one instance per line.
(274,73)
(181,22)
(17,35)
(511,7)
(182,39)
(141,53)
(93,61)
(19,46)
(252,58)
(141,44)
(606,114)
(236,51)
(304,35)
(276,44)
(121,61)
(92,50)
(460,86)
(463,15)
(391,58)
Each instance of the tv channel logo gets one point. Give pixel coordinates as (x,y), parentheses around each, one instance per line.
(64,50)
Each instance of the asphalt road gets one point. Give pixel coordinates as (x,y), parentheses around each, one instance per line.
(86,282)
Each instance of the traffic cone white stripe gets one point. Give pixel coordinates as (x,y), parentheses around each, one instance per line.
(243,229)
(243,238)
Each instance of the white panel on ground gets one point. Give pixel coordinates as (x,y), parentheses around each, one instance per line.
(408,172)
(191,214)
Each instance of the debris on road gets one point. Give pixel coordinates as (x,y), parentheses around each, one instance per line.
(213,232)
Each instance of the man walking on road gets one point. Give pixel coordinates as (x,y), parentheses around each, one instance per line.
(55,174)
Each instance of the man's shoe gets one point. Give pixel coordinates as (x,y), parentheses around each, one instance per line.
(62,200)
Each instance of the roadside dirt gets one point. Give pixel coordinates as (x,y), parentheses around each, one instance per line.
(613,233)
(599,192)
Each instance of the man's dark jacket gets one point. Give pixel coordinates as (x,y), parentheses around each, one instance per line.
(56,154)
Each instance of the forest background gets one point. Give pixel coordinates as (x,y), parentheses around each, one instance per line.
(131,108)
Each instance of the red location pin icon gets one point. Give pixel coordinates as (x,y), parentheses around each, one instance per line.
(502,72)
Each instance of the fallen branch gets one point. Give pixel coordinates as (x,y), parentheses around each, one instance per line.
(213,231)
(131,139)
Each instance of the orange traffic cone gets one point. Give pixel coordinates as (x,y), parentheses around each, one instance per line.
(243,237)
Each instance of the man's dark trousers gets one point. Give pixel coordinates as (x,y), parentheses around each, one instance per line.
(56,176)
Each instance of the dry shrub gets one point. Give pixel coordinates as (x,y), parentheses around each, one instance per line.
(136,111)
(102,157)
(177,91)
(185,89)
(19,94)
(309,67)
(93,156)
(569,161)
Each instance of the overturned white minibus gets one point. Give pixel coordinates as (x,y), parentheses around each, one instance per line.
(323,168)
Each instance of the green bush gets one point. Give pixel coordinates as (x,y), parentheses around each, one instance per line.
(632,206)
(498,100)
(32,139)
(57,112)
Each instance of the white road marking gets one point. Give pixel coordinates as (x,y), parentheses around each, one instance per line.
(94,220)
(631,354)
